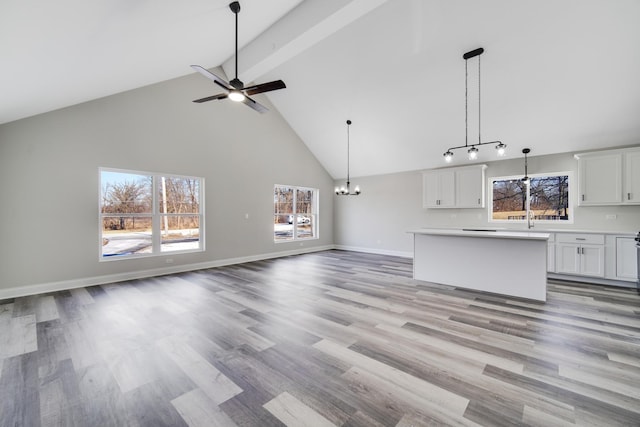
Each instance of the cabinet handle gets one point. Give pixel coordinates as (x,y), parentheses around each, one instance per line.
(580,238)
(583,197)
(478,201)
(578,249)
(628,196)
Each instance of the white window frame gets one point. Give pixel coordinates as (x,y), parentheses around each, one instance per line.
(537,221)
(315,214)
(156,216)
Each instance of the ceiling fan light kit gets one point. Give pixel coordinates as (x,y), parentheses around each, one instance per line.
(342,190)
(472,150)
(235,89)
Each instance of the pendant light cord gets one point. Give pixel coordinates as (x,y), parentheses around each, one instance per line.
(466,104)
(479,103)
(348,151)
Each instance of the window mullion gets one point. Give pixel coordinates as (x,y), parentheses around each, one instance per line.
(156,219)
(294,211)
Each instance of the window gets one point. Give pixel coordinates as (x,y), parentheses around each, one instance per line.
(548,195)
(295,213)
(146,214)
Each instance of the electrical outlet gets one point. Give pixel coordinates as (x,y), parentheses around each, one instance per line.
(169,260)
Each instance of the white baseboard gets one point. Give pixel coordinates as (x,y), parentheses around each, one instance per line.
(594,280)
(41,288)
(375,251)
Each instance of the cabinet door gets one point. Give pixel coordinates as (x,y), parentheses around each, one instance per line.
(430,189)
(632,178)
(626,259)
(567,258)
(551,257)
(592,260)
(470,187)
(600,179)
(438,188)
(447,188)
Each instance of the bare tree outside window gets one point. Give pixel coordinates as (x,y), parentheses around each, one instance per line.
(135,207)
(549,198)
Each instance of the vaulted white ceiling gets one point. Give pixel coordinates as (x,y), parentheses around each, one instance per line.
(557,75)
(59,53)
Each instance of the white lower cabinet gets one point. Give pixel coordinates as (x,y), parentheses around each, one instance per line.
(581,255)
(551,254)
(626,259)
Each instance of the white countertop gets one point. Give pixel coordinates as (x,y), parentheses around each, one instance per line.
(538,230)
(565,230)
(483,232)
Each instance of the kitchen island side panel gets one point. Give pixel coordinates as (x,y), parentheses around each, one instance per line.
(514,267)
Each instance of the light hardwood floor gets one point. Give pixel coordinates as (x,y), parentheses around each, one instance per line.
(333,338)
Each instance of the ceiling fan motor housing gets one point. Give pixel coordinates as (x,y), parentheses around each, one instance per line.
(237,84)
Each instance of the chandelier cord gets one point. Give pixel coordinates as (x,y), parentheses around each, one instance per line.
(348,150)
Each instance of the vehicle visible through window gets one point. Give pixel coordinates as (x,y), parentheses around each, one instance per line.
(146,214)
(295,213)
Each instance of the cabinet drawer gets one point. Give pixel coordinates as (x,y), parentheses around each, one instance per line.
(594,239)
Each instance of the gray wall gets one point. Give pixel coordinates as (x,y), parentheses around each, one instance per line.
(49,178)
(389,205)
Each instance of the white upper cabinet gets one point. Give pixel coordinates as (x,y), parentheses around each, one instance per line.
(470,186)
(454,187)
(631,185)
(439,188)
(609,177)
(600,179)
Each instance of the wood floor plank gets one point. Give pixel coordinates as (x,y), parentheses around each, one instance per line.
(19,393)
(46,308)
(327,338)
(437,396)
(198,410)
(293,412)
(209,379)
(19,336)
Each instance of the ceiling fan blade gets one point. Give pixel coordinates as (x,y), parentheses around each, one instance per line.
(208,74)
(255,105)
(265,87)
(211,98)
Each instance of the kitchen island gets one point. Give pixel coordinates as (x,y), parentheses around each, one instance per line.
(510,263)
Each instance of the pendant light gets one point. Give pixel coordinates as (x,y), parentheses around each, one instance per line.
(346,191)
(472,150)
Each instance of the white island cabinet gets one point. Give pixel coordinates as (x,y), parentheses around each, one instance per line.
(507,263)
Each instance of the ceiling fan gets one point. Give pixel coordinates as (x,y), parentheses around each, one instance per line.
(235,89)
